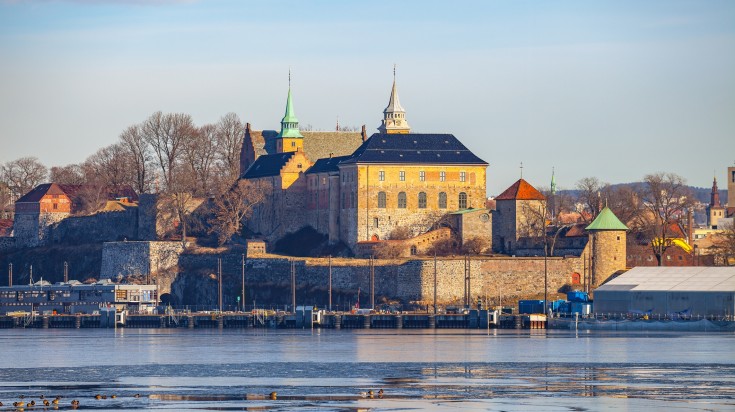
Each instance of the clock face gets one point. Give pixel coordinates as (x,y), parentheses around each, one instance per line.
(398,122)
(484,217)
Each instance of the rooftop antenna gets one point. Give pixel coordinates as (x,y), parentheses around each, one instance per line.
(337,123)
(521,170)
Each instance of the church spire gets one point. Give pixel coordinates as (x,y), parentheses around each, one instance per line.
(715,195)
(289,138)
(394,116)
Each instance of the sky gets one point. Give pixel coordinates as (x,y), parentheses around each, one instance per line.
(610,89)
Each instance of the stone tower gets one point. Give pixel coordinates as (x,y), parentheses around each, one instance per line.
(715,211)
(607,246)
(394,117)
(289,139)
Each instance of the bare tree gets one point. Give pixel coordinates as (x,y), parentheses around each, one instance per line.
(475,245)
(724,245)
(199,156)
(22,175)
(233,207)
(229,136)
(166,134)
(139,156)
(400,233)
(109,167)
(6,200)
(666,198)
(72,174)
(590,196)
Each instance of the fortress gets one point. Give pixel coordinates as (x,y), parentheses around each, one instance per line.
(359,190)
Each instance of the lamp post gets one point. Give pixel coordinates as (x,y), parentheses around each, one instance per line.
(243,282)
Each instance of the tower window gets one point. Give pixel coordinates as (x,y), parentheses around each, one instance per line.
(442,176)
(462,176)
(422,200)
(381,175)
(402,200)
(375,222)
(463,200)
(402,176)
(381,200)
(442,200)
(293,144)
(422,176)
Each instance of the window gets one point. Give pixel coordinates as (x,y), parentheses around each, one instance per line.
(293,144)
(375,222)
(402,176)
(353,202)
(422,200)
(381,175)
(324,180)
(402,200)
(442,200)
(299,166)
(462,176)
(422,176)
(442,176)
(463,200)
(381,200)
(56,206)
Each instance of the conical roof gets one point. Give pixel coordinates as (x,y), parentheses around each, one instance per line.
(606,220)
(394,105)
(289,123)
(521,190)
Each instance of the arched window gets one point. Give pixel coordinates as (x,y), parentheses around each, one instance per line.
(442,200)
(422,200)
(402,200)
(381,200)
(462,200)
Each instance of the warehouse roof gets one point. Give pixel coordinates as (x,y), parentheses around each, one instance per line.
(674,279)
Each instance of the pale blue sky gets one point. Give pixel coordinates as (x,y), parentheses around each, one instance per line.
(609,89)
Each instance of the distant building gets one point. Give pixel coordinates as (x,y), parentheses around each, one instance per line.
(50,203)
(75,297)
(673,291)
(518,218)
(731,191)
(715,210)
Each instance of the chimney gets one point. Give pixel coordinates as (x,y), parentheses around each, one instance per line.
(364,134)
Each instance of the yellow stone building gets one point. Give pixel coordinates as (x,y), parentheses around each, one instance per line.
(394,179)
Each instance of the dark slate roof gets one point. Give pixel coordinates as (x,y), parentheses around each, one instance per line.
(414,148)
(39,192)
(326,165)
(268,165)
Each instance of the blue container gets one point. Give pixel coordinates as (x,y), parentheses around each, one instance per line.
(577,296)
(526,307)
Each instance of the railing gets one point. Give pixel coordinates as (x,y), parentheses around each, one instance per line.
(644,316)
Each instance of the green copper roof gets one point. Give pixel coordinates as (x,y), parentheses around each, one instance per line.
(289,123)
(553,182)
(606,220)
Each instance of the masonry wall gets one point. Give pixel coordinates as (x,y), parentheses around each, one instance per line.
(268,279)
(138,258)
(100,227)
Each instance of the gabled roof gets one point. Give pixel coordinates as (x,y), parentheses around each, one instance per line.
(72,191)
(268,165)
(414,148)
(606,220)
(328,164)
(521,190)
(38,192)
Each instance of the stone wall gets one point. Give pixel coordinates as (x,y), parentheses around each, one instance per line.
(268,280)
(99,227)
(138,258)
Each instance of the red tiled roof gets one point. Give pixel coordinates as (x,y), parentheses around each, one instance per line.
(521,190)
(41,190)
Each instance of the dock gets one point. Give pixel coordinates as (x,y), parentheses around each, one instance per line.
(472,319)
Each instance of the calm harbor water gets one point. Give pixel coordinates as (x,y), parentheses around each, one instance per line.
(503,370)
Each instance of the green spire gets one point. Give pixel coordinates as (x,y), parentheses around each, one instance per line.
(553,182)
(289,123)
(606,220)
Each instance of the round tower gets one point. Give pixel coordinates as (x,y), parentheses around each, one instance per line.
(607,246)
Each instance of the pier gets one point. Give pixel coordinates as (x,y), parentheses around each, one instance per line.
(473,319)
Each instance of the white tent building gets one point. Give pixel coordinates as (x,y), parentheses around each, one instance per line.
(695,291)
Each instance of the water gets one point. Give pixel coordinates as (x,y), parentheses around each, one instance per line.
(448,370)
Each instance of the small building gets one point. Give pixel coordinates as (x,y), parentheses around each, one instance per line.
(75,297)
(685,291)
